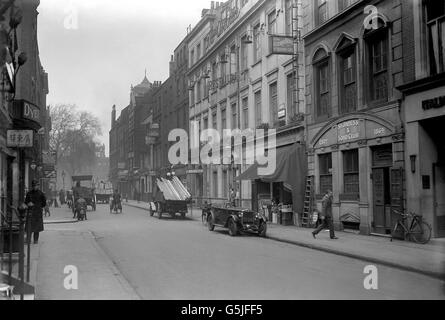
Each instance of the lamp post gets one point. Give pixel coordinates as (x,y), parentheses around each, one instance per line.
(63,179)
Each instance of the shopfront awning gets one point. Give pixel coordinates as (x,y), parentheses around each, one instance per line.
(291,169)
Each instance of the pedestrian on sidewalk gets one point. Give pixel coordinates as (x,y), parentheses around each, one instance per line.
(36,201)
(326,216)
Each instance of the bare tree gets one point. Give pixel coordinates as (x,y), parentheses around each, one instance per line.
(73,136)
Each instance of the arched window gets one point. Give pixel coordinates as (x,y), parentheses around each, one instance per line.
(322,82)
(377,56)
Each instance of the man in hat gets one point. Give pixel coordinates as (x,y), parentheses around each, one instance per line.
(36,201)
(326,216)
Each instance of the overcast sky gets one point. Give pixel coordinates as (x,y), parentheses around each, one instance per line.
(93,50)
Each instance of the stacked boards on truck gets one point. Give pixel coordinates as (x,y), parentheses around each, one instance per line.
(173,189)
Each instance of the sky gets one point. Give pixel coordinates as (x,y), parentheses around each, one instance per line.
(94,50)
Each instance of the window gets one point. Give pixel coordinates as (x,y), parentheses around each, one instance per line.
(205,86)
(288,17)
(256,44)
(350,171)
(198,52)
(245,104)
(192,57)
(234,116)
(223,68)
(214,72)
(272,22)
(343,4)
(192,94)
(435,19)
(273,103)
(232,60)
(223,117)
(215,184)
(214,120)
(290,85)
(198,91)
(244,54)
(258,118)
(322,84)
(378,64)
(322,11)
(325,167)
(348,87)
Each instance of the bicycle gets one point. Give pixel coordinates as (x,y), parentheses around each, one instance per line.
(418,231)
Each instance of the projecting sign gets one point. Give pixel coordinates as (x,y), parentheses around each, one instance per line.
(281,45)
(20,138)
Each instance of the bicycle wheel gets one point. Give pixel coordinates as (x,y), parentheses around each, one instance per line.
(421,232)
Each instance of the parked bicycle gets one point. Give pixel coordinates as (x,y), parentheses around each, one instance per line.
(418,231)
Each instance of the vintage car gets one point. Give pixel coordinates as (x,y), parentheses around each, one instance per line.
(236,220)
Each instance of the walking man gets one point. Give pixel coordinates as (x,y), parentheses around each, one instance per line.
(36,201)
(326,216)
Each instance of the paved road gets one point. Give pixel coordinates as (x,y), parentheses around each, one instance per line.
(181,259)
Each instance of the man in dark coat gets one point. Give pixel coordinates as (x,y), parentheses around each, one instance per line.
(36,201)
(326,216)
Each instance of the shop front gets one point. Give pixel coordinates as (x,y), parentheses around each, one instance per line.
(360,157)
(425,151)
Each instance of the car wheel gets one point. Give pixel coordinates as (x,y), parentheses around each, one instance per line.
(262,229)
(210,224)
(233,228)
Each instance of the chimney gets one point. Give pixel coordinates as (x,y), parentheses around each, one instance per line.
(212,5)
(113,116)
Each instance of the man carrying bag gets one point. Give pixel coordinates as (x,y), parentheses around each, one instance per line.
(326,216)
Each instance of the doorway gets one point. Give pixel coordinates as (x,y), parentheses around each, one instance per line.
(439,198)
(381,186)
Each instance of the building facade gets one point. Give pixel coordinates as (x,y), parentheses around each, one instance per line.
(24,86)
(356,139)
(424,110)
(238,81)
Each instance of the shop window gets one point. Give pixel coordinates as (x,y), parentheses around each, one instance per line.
(435,20)
(377,42)
(351,172)
(223,118)
(325,168)
(244,54)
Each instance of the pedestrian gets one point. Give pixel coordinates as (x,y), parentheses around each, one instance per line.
(326,216)
(36,201)
(62,197)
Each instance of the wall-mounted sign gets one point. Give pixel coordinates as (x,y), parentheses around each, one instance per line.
(150,140)
(281,45)
(433,103)
(352,130)
(348,130)
(31,112)
(195,171)
(281,113)
(20,138)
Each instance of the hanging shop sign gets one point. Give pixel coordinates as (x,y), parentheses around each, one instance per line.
(281,45)
(20,139)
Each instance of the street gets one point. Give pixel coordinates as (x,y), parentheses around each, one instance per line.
(182,259)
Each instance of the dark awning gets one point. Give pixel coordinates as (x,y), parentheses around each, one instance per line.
(291,168)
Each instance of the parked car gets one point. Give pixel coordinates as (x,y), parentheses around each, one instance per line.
(237,220)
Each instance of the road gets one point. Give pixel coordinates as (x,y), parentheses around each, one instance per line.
(182,259)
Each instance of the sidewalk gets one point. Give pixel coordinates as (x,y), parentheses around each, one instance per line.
(69,245)
(59,215)
(426,259)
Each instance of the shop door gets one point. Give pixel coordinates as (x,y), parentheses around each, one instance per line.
(378,183)
(439,199)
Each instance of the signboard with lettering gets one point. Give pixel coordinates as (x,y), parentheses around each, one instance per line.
(434,103)
(31,112)
(20,139)
(281,45)
(351,131)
